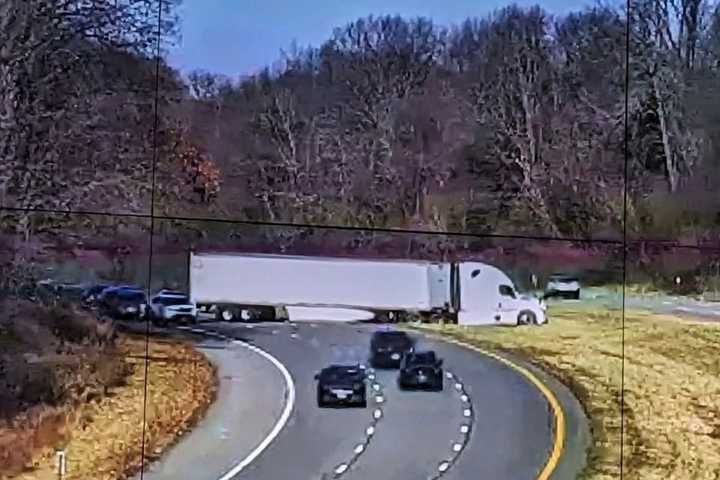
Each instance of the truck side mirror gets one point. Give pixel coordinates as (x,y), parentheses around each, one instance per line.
(317,376)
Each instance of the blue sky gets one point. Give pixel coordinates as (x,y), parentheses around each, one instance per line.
(236,37)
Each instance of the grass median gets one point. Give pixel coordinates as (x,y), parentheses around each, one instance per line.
(103,438)
(672,382)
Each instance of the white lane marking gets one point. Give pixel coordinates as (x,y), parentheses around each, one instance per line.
(377,414)
(449,375)
(340,469)
(457,447)
(379,399)
(464,428)
(284,416)
(444,466)
(464,398)
(359,448)
(467,412)
(370,431)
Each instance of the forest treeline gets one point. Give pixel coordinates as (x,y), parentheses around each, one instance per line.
(515,122)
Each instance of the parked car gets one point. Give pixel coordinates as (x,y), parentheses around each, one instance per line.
(108,293)
(127,303)
(562,285)
(171,306)
(71,292)
(387,348)
(341,385)
(90,294)
(421,370)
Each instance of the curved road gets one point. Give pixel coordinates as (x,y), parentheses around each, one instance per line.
(509,419)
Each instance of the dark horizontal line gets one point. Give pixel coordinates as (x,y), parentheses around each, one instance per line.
(348,228)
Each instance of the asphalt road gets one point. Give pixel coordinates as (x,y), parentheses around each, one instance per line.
(249,401)
(418,435)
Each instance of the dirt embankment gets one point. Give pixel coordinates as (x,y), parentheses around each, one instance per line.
(110,402)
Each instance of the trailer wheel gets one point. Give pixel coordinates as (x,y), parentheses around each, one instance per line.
(226,314)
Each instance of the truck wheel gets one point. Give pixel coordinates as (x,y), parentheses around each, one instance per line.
(526,317)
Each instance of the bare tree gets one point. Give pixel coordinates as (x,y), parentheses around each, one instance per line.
(59,148)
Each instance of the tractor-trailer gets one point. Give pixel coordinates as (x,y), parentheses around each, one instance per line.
(260,286)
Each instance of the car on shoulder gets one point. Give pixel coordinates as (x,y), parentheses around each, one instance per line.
(107,295)
(421,370)
(127,304)
(169,306)
(387,348)
(341,385)
(563,286)
(91,293)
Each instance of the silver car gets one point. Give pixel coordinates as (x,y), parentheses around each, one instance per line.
(564,286)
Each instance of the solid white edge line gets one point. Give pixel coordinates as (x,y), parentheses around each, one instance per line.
(284,417)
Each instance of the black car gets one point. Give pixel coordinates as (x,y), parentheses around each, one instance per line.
(421,370)
(387,348)
(90,294)
(127,304)
(341,385)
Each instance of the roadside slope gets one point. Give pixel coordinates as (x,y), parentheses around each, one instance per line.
(102,438)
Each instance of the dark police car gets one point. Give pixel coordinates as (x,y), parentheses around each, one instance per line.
(341,385)
(421,370)
(387,348)
(125,303)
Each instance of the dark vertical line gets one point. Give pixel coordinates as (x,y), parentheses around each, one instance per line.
(626,141)
(152,232)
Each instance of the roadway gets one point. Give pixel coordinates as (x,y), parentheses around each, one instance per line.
(493,424)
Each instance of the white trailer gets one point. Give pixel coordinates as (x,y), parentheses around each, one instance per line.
(251,286)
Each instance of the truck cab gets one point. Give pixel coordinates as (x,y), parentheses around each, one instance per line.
(487,296)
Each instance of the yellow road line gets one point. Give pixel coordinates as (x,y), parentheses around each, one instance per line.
(558,412)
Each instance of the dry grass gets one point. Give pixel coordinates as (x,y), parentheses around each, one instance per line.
(672,385)
(104,437)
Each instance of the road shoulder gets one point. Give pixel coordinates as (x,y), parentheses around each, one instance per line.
(250,400)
